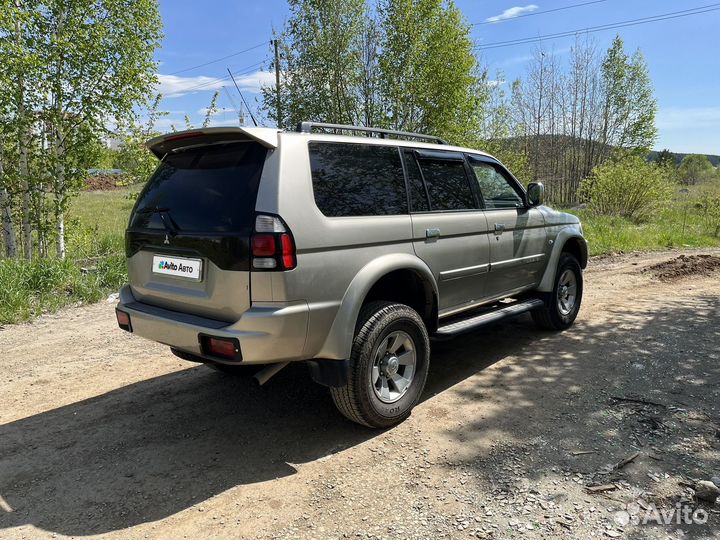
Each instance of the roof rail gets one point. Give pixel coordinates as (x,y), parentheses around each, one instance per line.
(307,127)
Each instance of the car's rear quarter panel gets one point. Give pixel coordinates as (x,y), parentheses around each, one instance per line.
(330,251)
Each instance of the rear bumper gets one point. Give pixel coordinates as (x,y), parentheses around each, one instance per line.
(267,332)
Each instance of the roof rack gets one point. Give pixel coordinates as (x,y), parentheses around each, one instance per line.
(307,127)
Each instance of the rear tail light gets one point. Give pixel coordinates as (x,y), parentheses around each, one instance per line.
(263,245)
(288,251)
(273,247)
(123,320)
(226,348)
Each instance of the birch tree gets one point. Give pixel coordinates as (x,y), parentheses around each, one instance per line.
(18,38)
(429,74)
(100,58)
(321,59)
(571,119)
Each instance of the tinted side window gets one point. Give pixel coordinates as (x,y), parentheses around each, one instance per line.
(498,191)
(357,179)
(447,185)
(418,197)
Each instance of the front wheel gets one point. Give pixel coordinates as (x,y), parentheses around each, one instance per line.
(563,303)
(389,365)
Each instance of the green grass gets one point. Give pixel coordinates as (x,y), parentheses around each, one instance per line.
(97,221)
(608,234)
(95,264)
(107,210)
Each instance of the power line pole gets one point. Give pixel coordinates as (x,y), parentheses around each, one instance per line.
(278,109)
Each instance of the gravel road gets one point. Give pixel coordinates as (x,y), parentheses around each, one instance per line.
(105,434)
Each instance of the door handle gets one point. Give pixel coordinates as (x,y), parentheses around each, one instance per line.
(432,233)
(499,228)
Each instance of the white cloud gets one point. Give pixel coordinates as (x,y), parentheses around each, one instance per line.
(255,81)
(174,86)
(512,12)
(496,82)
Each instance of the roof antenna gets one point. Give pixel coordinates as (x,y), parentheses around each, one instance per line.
(242,97)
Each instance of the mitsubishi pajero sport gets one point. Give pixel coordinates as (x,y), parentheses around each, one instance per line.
(347,248)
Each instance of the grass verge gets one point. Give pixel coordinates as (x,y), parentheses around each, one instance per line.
(95,264)
(680,225)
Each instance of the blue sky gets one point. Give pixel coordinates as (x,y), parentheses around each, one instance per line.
(682,54)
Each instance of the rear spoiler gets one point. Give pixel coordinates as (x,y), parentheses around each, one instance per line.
(170,142)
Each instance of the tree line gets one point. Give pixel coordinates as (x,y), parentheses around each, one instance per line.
(412,65)
(78,71)
(72,70)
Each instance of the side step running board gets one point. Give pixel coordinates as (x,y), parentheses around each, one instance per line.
(488,317)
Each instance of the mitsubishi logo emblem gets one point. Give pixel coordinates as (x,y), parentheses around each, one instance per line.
(167,240)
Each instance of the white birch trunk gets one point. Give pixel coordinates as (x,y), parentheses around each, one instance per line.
(23,165)
(8,228)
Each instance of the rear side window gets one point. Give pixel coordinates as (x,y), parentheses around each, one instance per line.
(207,189)
(357,179)
(447,185)
(416,189)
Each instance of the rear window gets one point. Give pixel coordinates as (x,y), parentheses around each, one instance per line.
(208,189)
(357,179)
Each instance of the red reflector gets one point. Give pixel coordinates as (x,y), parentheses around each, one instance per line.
(263,245)
(288,251)
(123,320)
(221,347)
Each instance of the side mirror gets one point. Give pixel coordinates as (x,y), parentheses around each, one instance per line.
(536,193)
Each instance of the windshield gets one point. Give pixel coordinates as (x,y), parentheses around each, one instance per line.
(206,189)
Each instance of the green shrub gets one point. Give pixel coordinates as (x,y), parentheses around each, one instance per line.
(627,186)
(46,275)
(112,271)
(709,206)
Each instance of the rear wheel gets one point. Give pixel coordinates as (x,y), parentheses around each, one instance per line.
(388,366)
(563,303)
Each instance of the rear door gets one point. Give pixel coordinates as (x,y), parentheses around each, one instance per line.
(517,231)
(188,239)
(449,230)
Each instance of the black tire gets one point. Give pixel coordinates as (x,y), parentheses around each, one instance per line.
(377,323)
(552,316)
(235,370)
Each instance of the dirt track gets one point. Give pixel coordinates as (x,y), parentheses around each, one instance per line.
(103,433)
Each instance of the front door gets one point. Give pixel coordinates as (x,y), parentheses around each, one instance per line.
(517,231)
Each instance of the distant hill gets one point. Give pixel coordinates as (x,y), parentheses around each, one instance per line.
(566,141)
(715,160)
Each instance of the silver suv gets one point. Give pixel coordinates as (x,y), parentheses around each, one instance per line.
(347,248)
